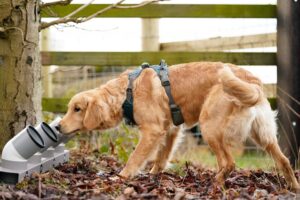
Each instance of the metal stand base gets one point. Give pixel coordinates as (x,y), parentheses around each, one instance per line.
(13,172)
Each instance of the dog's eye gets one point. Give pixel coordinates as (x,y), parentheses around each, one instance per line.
(76,109)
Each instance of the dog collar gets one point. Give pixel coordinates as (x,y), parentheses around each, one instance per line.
(162,71)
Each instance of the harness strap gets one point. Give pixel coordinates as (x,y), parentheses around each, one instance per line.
(175,110)
(128,104)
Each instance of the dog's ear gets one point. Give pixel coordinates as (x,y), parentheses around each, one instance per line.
(92,118)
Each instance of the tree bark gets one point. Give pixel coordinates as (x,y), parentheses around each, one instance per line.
(20,68)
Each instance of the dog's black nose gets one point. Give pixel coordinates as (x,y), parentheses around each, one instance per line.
(57,127)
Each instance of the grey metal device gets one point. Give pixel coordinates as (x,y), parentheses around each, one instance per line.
(34,149)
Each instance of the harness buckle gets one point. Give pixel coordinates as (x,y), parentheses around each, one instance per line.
(176,115)
(145,65)
(166,83)
(129,90)
(162,63)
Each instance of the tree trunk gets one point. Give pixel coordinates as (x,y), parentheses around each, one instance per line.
(20,68)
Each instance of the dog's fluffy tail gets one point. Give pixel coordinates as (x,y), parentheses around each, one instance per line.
(247,94)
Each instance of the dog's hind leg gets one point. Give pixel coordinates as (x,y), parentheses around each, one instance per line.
(229,166)
(264,131)
(224,158)
(213,117)
(166,149)
(283,164)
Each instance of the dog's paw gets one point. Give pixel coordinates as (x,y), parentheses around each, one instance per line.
(295,187)
(155,170)
(220,179)
(115,178)
(124,174)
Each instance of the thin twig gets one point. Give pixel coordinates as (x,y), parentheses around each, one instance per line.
(287,94)
(289,107)
(103,10)
(287,138)
(40,187)
(138,5)
(49,12)
(59,21)
(78,9)
(69,18)
(287,114)
(63,3)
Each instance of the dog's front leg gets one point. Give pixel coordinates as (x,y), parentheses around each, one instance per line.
(151,137)
(166,149)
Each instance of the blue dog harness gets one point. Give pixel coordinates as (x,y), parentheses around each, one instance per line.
(162,72)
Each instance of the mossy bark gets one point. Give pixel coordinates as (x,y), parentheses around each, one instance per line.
(20,68)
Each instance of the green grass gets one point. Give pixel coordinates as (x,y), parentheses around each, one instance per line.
(255,160)
(201,155)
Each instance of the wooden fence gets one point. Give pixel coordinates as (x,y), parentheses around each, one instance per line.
(136,58)
(171,11)
(222,43)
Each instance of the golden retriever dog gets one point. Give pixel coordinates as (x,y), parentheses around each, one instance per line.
(227,101)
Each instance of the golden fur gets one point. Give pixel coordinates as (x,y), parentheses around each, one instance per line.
(226,100)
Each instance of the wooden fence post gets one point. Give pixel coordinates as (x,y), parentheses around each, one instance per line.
(150,35)
(288,73)
(46,76)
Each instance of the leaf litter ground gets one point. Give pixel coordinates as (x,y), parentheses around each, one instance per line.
(89,176)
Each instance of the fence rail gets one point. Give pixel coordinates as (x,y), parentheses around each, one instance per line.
(59,105)
(170,11)
(222,43)
(136,58)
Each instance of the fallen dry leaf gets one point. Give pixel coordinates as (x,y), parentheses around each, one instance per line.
(89,176)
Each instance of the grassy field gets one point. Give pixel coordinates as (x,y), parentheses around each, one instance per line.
(203,156)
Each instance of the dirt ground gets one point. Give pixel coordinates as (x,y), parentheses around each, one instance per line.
(88,176)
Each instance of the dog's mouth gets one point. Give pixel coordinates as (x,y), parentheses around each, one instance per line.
(70,132)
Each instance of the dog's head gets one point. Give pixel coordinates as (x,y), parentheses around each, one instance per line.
(87,111)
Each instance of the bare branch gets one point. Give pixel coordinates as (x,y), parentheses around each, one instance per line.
(102,11)
(138,5)
(69,18)
(45,25)
(63,3)
(78,10)
(49,11)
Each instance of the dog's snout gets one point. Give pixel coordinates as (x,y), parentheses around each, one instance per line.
(58,127)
